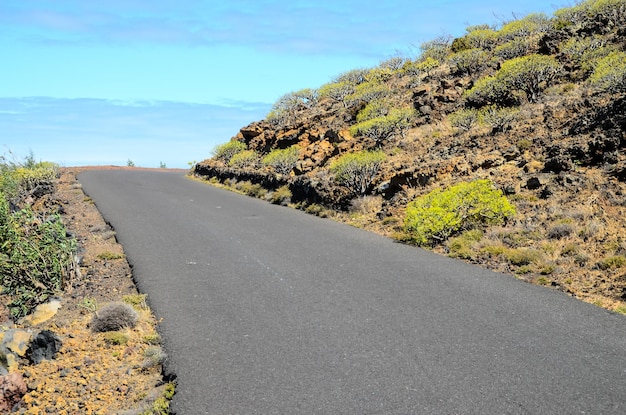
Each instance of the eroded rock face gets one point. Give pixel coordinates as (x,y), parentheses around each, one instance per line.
(12,388)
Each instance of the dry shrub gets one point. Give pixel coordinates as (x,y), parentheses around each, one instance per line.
(113,317)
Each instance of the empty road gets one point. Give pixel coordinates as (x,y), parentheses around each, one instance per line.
(267,310)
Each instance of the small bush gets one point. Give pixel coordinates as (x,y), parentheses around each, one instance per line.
(36,257)
(436,50)
(440,214)
(244,159)
(616,261)
(513,49)
(462,245)
(113,317)
(530,74)
(224,152)
(110,256)
(560,231)
(498,118)
(463,119)
(116,337)
(374,109)
(609,74)
(522,256)
(469,62)
(338,91)
(136,300)
(357,171)
(153,356)
(281,196)
(382,128)
(488,90)
(250,189)
(366,204)
(282,161)
(151,339)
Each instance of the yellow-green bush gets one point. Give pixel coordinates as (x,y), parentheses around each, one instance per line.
(397,122)
(440,214)
(337,91)
(281,196)
(282,161)
(463,119)
(609,74)
(226,151)
(498,118)
(357,171)
(469,61)
(374,109)
(243,159)
(529,74)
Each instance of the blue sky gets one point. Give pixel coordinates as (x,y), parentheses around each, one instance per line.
(86,82)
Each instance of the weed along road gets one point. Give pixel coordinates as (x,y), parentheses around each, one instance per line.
(268,310)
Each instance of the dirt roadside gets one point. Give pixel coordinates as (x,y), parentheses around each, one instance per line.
(93,373)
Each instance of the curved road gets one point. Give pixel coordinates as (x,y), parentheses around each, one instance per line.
(267,310)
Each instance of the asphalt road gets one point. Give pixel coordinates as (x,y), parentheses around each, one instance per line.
(267,310)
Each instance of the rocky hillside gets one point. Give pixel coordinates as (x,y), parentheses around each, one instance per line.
(536,106)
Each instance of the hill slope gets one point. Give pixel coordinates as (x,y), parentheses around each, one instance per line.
(536,106)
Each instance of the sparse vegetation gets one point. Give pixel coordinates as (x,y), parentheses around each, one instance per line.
(534,105)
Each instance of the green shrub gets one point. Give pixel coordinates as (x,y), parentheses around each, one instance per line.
(469,61)
(436,50)
(374,109)
(513,49)
(357,171)
(463,119)
(482,38)
(337,91)
(282,161)
(436,216)
(488,90)
(525,27)
(522,256)
(353,77)
(244,159)
(609,74)
(367,92)
(281,196)
(284,110)
(36,257)
(382,128)
(462,245)
(616,261)
(498,118)
(226,151)
(250,189)
(576,47)
(530,74)
(116,337)
(428,65)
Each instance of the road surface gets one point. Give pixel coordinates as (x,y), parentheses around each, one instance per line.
(268,310)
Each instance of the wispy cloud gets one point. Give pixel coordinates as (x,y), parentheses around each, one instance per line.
(336,27)
(92,131)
